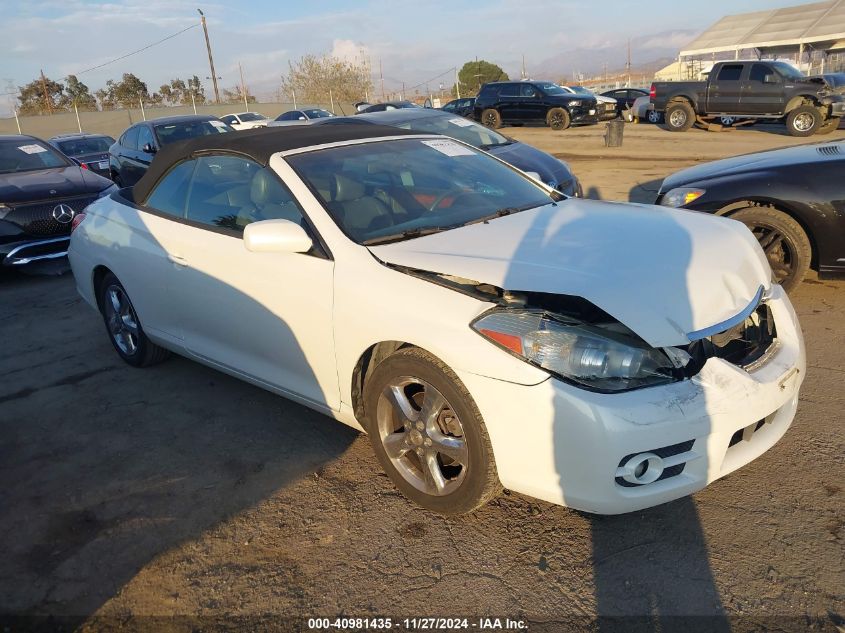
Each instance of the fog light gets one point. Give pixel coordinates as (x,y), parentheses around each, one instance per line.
(641,469)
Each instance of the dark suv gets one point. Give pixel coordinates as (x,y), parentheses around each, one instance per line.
(529,101)
(131,155)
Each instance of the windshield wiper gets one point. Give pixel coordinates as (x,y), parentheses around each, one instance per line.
(404,235)
(487,146)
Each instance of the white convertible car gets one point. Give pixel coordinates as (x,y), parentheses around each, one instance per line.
(484,330)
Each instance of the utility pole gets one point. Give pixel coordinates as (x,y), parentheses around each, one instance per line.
(46,96)
(381,77)
(243,88)
(628,64)
(523,68)
(457,85)
(210,58)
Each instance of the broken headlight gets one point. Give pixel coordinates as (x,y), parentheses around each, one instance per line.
(593,357)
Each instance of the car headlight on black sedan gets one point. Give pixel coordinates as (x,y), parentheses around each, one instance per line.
(681,196)
(592,357)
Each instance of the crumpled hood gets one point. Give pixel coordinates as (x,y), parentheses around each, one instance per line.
(28,186)
(661,272)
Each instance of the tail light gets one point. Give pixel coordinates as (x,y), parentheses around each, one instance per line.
(652,93)
(84,166)
(77,220)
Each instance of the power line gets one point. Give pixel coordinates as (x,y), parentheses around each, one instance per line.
(452,69)
(117,59)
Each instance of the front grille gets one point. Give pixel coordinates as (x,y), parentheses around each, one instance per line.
(37,218)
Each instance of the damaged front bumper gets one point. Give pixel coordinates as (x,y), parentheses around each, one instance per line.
(616,453)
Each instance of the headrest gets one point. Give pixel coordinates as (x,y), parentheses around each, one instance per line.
(263,188)
(347,189)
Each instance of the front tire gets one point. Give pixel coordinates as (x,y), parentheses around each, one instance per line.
(124,327)
(491,118)
(558,119)
(782,239)
(428,434)
(654,116)
(803,121)
(679,116)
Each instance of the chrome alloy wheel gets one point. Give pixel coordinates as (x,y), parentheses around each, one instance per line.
(422,436)
(121,320)
(678,118)
(804,122)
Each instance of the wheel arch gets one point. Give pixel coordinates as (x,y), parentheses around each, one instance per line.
(799,100)
(97,275)
(730,209)
(366,363)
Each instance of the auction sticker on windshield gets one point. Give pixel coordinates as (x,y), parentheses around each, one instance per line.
(450,148)
(460,122)
(32,149)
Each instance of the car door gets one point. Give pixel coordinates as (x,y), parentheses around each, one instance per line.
(125,156)
(145,153)
(264,316)
(531,103)
(508,103)
(725,90)
(763,92)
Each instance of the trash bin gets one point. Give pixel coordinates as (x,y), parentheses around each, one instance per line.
(614,132)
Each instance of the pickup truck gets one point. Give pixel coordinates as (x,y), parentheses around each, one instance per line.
(752,90)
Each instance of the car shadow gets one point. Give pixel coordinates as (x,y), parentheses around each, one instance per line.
(98,482)
(633,589)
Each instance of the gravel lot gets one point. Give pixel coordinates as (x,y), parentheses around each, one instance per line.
(178,491)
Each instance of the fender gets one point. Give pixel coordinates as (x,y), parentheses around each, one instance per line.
(798,100)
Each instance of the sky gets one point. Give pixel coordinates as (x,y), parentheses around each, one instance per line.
(415,40)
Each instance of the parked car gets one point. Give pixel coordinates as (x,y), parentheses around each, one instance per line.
(625,98)
(461,107)
(556,173)
(502,102)
(294,117)
(606,106)
(790,198)
(91,151)
(643,110)
(42,192)
(131,155)
(387,105)
(245,120)
(764,90)
(483,329)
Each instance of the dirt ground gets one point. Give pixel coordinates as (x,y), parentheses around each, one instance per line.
(178,491)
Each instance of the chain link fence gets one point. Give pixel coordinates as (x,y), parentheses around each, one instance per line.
(114,122)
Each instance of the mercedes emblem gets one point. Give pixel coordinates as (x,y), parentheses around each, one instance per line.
(63,214)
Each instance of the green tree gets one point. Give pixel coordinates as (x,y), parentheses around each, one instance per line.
(312,77)
(178,92)
(78,93)
(125,93)
(234,95)
(475,74)
(33,100)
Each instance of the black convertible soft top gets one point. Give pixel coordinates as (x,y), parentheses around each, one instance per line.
(258,144)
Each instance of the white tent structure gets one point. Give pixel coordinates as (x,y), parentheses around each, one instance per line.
(812,35)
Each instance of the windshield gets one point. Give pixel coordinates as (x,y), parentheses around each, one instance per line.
(171,132)
(27,154)
(252,116)
(81,146)
(457,127)
(387,191)
(581,90)
(551,89)
(317,113)
(787,71)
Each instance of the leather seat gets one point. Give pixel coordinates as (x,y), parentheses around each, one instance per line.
(357,211)
(268,200)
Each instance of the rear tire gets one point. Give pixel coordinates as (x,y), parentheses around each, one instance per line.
(803,121)
(124,328)
(784,241)
(491,118)
(679,116)
(828,126)
(653,116)
(558,119)
(446,466)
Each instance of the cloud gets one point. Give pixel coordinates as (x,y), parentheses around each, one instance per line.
(349,51)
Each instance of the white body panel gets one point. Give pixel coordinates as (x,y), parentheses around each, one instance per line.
(298,324)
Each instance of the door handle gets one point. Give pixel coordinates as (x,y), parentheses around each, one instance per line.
(177,260)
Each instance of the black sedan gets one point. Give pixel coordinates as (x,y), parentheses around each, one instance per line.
(792,199)
(41,192)
(388,105)
(552,171)
(131,155)
(461,107)
(625,97)
(91,151)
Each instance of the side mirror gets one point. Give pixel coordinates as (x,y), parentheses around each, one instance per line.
(770,79)
(276,236)
(149,149)
(302,118)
